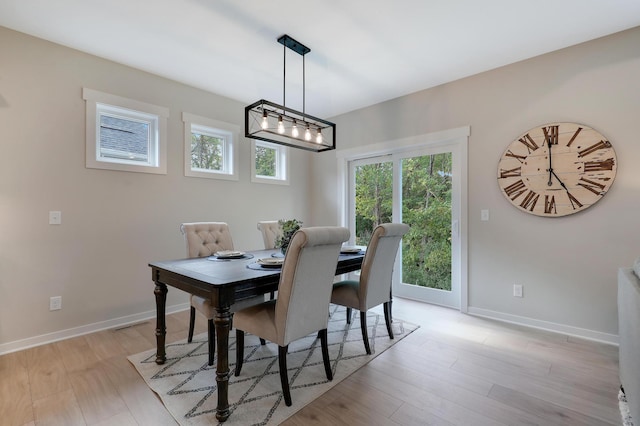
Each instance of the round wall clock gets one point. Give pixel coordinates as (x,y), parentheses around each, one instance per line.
(557,169)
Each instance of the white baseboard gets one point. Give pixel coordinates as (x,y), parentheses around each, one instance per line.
(43,339)
(583,333)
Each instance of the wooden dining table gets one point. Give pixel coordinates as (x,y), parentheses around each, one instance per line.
(223,282)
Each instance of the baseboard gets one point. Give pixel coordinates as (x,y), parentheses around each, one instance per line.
(43,339)
(583,333)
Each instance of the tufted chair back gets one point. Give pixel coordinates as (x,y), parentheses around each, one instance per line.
(270,232)
(205,238)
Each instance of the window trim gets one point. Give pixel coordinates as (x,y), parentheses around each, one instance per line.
(232,131)
(159,152)
(282,164)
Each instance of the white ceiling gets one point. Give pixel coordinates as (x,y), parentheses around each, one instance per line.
(362,51)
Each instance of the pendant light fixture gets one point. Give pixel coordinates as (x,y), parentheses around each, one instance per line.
(270,122)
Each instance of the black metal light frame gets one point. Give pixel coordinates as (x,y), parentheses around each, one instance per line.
(271,122)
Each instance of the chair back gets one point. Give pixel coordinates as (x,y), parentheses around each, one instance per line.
(270,232)
(377,266)
(205,238)
(306,281)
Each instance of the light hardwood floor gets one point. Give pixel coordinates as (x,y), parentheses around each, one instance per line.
(454,370)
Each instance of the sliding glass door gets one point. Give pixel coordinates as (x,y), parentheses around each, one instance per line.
(421,188)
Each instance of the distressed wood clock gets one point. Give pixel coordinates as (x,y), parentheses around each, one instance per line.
(557,169)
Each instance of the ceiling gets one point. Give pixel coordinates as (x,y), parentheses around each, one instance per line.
(362,51)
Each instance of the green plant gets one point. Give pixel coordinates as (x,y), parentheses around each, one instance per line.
(289,227)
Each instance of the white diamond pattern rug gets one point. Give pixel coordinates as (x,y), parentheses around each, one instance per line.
(187,386)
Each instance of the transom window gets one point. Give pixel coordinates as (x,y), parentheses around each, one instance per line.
(124,134)
(269,163)
(210,148)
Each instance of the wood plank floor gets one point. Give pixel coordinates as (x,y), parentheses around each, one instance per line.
(455,370)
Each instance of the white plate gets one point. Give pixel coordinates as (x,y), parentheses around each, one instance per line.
(229,254)
(350,249)
(271,262)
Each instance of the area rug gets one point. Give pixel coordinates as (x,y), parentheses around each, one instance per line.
(186,384)
(624,408)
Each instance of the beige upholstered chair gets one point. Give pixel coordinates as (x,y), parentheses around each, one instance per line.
(374,286)
(270,232)
(205,239)
(302,306)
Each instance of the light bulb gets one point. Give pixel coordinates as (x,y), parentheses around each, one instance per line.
(280,125)
(319,136)
(265,123)
(307,134)
(294,129)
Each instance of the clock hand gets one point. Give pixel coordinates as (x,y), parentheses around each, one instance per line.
(561,183)
(550,169)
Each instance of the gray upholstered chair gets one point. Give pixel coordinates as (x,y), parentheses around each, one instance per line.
(302,306)
(270,232)
(374,286)
(205,239)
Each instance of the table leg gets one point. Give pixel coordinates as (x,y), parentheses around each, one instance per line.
(161,327)
(222,322)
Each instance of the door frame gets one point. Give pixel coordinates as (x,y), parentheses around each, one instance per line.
(458,139)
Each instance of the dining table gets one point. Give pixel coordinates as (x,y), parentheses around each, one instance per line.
(224,281)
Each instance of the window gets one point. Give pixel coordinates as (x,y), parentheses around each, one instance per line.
(124,134)
(210,148)
(269,163)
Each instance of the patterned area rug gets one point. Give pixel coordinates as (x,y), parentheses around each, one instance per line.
(624,409)
(187,387)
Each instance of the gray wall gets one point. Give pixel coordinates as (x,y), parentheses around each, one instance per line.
(113,223)
(567,265)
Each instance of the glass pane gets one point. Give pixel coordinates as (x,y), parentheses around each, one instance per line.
(374,202)
(207,152)
(265,161)
(426,207)
(124,139)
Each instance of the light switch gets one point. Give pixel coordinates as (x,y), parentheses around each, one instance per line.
(484,215)
(55,218)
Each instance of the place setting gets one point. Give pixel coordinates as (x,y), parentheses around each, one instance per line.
(228,255)
(351,250)
(267,263)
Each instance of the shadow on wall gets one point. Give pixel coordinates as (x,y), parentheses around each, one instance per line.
(3,102)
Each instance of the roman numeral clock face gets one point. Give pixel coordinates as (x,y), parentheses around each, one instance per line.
(557,169)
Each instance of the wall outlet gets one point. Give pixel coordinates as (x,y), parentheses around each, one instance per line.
(55,218)
(55,303)
(517,290)
(484,215)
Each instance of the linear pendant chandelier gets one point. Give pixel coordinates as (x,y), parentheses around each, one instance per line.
(278,124)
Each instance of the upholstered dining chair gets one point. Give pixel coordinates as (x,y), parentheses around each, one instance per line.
(205,239)
(302,306)
(374,285)
(270,230)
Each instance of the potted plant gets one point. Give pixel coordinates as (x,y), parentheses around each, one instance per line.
(288,227)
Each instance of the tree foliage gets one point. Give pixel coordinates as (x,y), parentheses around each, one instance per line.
(426,207)
(206,152)
(265,161)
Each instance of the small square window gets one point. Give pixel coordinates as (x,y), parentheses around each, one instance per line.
(123,134)
(209,148)
(269,163)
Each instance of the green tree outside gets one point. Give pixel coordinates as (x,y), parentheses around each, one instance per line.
(426,207)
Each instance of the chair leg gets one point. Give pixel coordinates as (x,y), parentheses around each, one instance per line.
(284,377)
(262,341)
(365,335)
(212,341)
(348,315)
(192,323)
(387,318)
(325,353)
(239,351)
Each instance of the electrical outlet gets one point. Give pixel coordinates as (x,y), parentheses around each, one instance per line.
(484,215)
(55,303)
(55,218)
(517,290)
